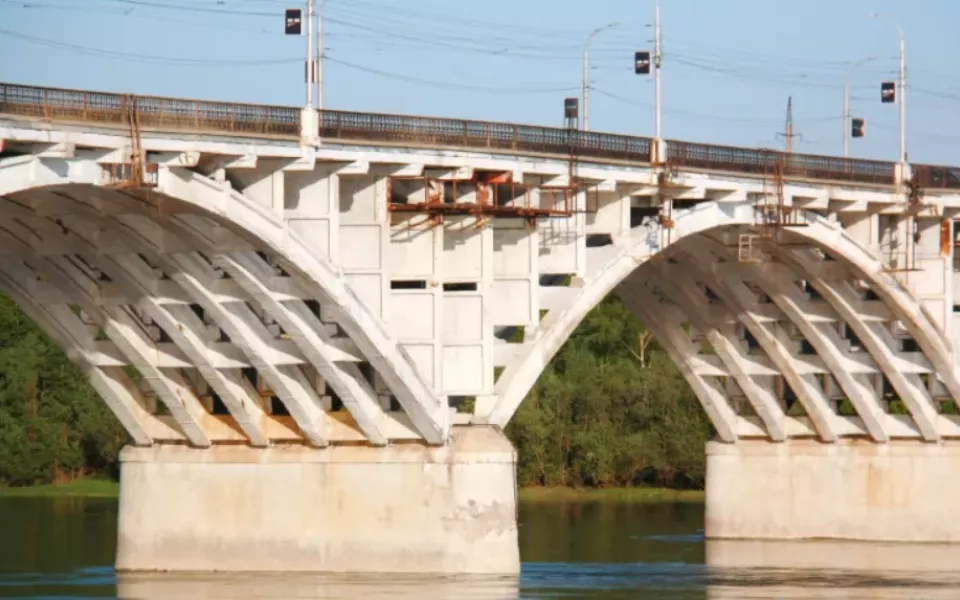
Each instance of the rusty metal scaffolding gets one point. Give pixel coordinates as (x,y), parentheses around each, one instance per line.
(772,214)
(442,198)
(134,172)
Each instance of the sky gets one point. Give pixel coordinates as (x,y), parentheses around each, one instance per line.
(729,66)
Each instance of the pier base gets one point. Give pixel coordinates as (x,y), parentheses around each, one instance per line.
(903,491)
(400,509)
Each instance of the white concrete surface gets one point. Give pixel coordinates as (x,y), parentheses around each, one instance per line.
(270,280)
(408,508)
(902,491)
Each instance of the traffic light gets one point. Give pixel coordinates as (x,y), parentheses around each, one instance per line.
(292,21)
(571,113)
(857,127)
(888,92)
(641,63)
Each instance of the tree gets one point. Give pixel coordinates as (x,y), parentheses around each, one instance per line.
(53,426)
(611,409)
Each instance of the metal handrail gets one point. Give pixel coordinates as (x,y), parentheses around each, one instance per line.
(177,114)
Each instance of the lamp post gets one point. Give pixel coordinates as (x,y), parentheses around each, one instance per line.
(657,59)
(586,72)
(311,66)
(318,57)
(846,103)
(902,91)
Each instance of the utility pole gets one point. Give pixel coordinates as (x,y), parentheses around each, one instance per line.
(846,116)
(311,66)
(902,92)
(657,61)
(788,133)
(586,73)
(847,123)
(789,127)
(319,56)
(903,100)
(313,69)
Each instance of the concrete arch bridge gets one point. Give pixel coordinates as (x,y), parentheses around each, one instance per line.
(286,330)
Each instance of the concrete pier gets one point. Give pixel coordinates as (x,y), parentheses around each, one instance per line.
(902,491)
(399,509)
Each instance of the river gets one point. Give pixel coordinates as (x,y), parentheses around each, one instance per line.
(63,548)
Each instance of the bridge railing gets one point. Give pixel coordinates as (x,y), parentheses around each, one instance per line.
(761,161)
(205,116)
(157,112)
(936,177)
(481,134)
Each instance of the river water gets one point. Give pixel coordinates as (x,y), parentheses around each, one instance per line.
(63,548)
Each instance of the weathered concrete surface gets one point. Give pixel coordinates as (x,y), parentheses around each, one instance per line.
(399,509)
(903,491)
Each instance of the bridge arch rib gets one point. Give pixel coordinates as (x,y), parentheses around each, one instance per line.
(795,345)
(189,254)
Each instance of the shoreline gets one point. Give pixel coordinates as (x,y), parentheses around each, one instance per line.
(81,488)
(631,495)
(101,488)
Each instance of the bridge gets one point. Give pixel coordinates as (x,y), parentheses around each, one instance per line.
(315,348)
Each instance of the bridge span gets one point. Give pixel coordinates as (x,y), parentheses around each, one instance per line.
(315,348)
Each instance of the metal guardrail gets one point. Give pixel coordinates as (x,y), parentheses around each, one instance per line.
(761,161)
(176,114)
(934,177)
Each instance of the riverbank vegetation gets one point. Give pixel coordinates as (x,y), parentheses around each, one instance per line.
(611,411)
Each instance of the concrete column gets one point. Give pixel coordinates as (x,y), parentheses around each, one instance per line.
(901,491)
(399,509)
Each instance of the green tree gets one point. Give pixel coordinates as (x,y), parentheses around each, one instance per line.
(53,426)
(611,409)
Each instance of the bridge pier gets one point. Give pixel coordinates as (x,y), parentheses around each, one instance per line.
(406,508)
(901,491)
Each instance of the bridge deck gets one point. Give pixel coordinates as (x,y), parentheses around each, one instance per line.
(177,114)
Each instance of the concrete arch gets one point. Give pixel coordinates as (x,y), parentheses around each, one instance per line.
(113,385)
(181,190)
(558,325)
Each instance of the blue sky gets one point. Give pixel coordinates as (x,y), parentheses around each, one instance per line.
(729,65)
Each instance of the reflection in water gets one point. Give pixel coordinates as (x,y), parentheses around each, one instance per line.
(64,548)
(270,586)
(829,569)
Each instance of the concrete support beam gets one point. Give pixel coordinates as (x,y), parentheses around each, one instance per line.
(825,341)
(113,385)
(405,509)
(879,343)
(742,302)
(693,302)
(903,491)
(681,350)
(122,328)
(250,272)
(250,335)
(185,329)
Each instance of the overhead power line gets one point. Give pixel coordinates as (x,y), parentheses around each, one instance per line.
(490,88)
(179,61)
(710,116)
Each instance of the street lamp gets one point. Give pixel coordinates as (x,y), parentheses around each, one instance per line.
(657,61)
(903,91)
(642,66)
(846,103)
(586,72)
(293,25)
